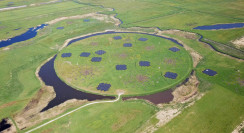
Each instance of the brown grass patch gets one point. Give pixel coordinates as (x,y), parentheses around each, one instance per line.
(123,55)
(142,78)
(184,34)
(69,22)
(12,103)
(50,130)
(87,72)
(150,47)
(186,90)
(169,61)
(241,82)
(123,119)
(94,43)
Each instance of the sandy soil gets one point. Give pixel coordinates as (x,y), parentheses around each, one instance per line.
(239,128)
(11,8)
(239,43)
(38,4)
(184,34)
(31,114)
(100,17)
(186,91)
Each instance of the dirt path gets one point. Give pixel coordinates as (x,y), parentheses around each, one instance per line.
(112,101)
(11,8)
(239,128)
(100,17)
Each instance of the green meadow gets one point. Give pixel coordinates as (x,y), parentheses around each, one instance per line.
(14,19)
(221,108)
(82,73)
(103,118)
(18,82)
(183,15)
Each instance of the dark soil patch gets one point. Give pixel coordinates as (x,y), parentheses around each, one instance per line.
(69,22)
(87,72)
(142,78)
(94,43)
(170,61)
(10,4)
(123,55)
(150,48)
(128,40)
(241,82)
(2,27)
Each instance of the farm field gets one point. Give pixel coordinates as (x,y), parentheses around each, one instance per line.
(101,52)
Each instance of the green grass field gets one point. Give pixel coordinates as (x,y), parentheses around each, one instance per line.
(13,3)
(220,110)
(84,74)
(103,118)
(15,19)
(176,14)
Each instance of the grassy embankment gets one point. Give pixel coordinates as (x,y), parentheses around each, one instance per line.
(18,82)
(83,74)
(184,16)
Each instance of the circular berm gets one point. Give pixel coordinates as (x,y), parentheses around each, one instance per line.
(138,64)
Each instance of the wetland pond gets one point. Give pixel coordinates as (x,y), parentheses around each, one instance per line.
(32,32)
(220,26)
